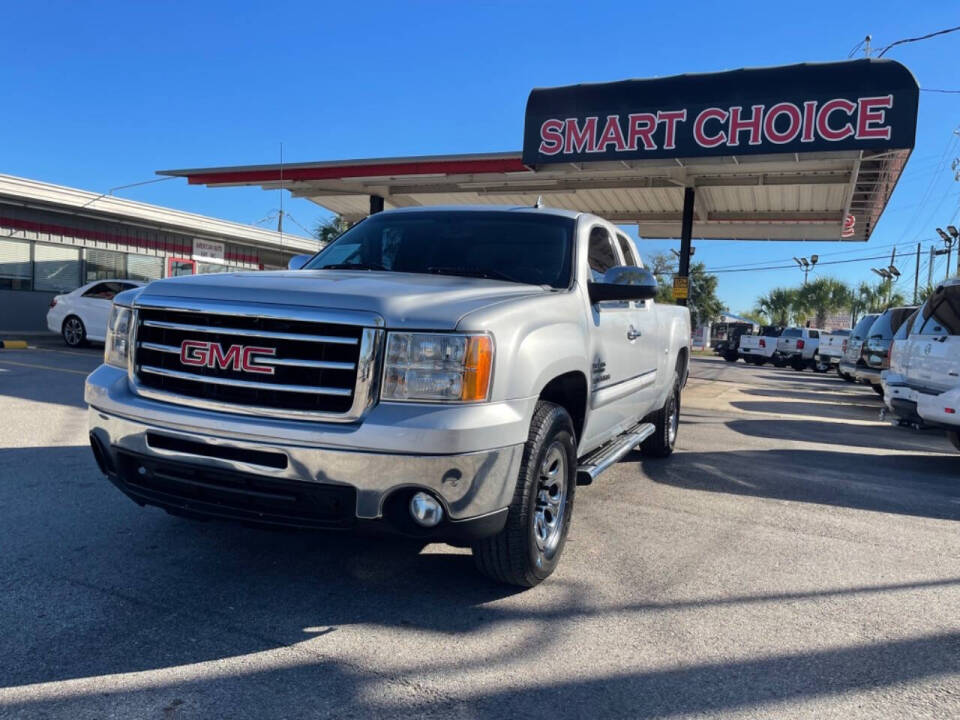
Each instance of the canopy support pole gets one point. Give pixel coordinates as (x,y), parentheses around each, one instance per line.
(376,204)
(686,231)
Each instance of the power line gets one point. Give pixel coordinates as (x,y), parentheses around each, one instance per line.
(938,90)
(917,39)
(786,267)
(899,245)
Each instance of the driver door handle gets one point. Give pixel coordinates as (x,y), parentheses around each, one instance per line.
(633,333)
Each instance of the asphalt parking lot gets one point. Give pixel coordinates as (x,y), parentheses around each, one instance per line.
(796,558)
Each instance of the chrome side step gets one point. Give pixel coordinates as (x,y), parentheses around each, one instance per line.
(603,457)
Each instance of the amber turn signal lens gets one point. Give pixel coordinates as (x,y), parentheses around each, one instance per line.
(478,366)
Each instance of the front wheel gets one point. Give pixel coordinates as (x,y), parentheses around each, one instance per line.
(528,548)
(798,364)
(819,365)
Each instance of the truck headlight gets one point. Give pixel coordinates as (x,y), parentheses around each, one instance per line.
(437,366)
(116,348)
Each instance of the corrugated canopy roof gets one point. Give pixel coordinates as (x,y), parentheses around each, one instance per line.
(805,152)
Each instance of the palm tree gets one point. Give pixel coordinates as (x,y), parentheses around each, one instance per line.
(779,305)
(329,230)
(823,297)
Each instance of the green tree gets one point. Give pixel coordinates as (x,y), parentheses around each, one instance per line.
(823,297)
(326,231)
(780,305)
(876,298)
(703,303)
(756,316)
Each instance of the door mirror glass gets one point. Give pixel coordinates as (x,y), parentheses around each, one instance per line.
(298,261)
(624,282)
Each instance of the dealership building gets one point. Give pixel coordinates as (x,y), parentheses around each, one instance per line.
(54,239)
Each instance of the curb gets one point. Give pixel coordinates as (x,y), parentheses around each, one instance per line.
(13,344)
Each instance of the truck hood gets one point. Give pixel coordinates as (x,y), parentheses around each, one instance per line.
(430,302)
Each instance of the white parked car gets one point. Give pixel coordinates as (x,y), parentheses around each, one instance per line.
(922,385)
(82,315)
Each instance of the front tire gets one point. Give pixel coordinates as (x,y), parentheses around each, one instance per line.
(73,331)
(528,548)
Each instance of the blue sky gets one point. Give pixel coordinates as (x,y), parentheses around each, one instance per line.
(100,95)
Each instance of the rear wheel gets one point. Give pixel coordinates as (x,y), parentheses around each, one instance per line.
(73,331)
(730,357)
(819,365)
(798,364)
(528,548)
(954,437)
(666,420)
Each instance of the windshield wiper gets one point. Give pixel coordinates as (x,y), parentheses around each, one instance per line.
(353,266)
(475,272)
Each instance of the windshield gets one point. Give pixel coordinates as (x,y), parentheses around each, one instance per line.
(517,247)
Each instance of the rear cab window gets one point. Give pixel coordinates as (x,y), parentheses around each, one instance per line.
(860,331)
(941,314)
(792,333)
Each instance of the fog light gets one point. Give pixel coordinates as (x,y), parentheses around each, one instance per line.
(426,510)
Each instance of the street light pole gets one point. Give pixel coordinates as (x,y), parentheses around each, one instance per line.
(806,265)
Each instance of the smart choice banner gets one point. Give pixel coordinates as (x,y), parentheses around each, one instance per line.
(855,105)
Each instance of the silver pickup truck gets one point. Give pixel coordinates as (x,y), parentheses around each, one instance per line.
(449,375)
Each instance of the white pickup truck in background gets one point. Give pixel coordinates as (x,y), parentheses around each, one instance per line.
(832,346)
(797,347)
(760,348)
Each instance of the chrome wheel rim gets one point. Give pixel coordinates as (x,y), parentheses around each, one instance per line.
(73,331)
(674,425)
(551,500)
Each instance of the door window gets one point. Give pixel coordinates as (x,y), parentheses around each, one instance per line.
(601,255)
(180,266)
(629,258)
(105,290)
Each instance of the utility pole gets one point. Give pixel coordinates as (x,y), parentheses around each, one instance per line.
(933,259)
(916,277)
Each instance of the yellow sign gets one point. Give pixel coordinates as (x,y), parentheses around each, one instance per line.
(681,288)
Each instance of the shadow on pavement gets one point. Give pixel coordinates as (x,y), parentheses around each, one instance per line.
(924,486)
(825,395)
(838,412)
(130,589)
(883,437)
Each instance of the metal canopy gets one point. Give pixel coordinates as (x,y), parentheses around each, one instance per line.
(805,152)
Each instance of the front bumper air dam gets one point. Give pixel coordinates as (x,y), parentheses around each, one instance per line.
(278,484)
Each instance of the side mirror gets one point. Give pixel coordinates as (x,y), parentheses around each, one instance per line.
(298,261)
(624,282)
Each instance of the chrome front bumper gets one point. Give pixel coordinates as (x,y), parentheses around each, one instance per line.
(469,484)
(467,456)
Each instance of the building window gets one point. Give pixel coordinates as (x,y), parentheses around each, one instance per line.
(56,268)
(104,265)
(203,267)
(144,267)
(15,269)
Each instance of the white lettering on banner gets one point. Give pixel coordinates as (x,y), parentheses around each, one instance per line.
(208,251)
(810,121)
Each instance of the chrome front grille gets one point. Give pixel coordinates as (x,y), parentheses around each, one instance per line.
(301,364)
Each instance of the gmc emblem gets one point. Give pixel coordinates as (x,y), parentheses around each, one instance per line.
(241,358)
